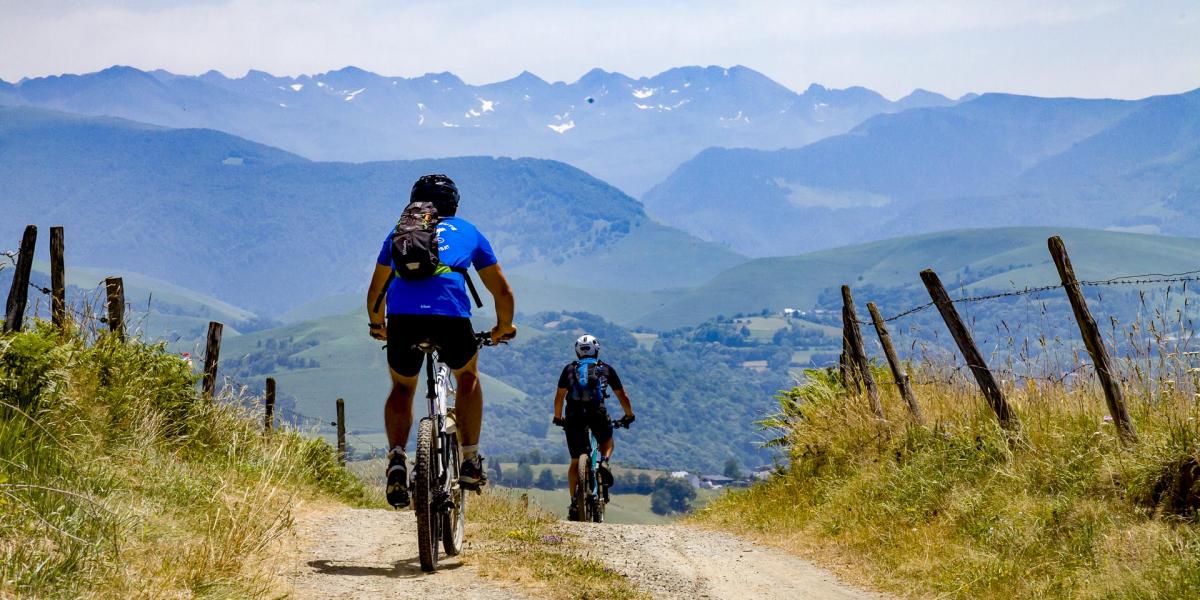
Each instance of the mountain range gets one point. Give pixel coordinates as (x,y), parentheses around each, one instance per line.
(996,160)
(269,231)
(629,132)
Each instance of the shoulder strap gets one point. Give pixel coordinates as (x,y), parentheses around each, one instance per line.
(466,273)
(383,290)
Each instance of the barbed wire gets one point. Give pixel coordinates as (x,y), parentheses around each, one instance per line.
(1140,279)
(321,424)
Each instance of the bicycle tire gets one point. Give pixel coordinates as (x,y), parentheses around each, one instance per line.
(582,507)
(423,487)
(599,503)
(454,521)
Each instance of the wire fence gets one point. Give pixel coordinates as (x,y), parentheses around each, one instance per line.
(1139,279)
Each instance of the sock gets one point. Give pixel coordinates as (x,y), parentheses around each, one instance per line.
(397,450)
(469,452)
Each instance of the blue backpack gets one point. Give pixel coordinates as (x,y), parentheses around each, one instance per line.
(587,384)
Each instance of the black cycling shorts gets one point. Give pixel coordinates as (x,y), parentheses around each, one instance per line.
(580,421)
(453,336)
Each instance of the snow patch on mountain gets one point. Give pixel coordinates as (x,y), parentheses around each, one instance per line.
(297,87)
(643,93)
(562,128)
(351,95)
(486,105)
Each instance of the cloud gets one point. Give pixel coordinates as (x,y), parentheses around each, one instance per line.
(951,46)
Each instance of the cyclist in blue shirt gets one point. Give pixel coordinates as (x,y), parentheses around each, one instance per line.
(437,309)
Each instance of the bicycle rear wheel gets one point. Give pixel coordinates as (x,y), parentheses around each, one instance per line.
(454,521)
(583,509)
(424,486)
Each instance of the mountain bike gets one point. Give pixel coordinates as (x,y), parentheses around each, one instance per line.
(438,500)
(591,495)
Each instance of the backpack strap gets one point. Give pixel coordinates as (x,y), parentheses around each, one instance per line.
(383,290)
(470,284)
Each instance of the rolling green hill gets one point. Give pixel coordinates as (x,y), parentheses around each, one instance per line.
(315,362)
(992,259)
(270,231)
(159,310)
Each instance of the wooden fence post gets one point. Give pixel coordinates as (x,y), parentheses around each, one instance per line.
(971,354)
(18,294)
(212,355)
(341,431)
(898,372)
(1093,341)
(114,289)
(845,364)
(269,409)
(858,353)
(58,281)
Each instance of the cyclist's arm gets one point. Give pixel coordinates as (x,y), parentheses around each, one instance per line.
(374,291)
(497,285)
(559,396)
(626,405)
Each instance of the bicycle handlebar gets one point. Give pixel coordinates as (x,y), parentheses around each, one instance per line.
(616,423)
(484,338)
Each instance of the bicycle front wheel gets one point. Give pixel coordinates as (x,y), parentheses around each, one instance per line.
(424,485)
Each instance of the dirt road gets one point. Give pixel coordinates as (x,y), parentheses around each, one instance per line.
(355,553)
(360,553)
(678,562)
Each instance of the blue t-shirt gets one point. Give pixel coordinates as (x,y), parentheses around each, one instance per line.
(459,245)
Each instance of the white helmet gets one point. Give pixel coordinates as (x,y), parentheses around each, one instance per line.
(587,347)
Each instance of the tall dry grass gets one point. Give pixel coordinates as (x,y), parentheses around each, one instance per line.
(117,481)
(957,507)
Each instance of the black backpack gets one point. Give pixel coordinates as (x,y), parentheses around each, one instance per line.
(414,244)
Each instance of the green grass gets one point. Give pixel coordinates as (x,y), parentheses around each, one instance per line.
(117,481)
(623,509)
(522,545)
(959,509)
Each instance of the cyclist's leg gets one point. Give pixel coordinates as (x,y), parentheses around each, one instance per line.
(398,410)
(573,474)
(603,430)
(457,348)
(404,364)
(468,403)
(576,433)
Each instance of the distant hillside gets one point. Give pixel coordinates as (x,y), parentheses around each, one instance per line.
(997,160)
(318,361)
(268,230)
(631,132)
(972,259)
(159,310)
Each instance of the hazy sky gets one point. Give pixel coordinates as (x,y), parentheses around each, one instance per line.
(1080,48)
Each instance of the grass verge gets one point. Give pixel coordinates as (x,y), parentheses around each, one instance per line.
(117,481)
(521,545)
(958,508)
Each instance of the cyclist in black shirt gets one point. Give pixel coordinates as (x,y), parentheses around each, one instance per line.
(582,387)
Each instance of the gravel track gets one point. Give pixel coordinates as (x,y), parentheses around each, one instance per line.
(357,553)
(678,562)
(360,553)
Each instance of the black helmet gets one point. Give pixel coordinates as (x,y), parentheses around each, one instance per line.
(438,189)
